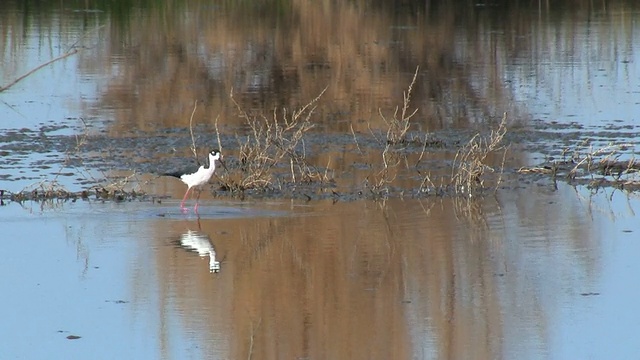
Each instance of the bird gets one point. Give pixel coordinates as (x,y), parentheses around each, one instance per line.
(198,178)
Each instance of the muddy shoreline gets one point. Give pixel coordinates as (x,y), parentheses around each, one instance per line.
(553,152)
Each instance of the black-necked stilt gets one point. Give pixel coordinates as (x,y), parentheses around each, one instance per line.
(199,177)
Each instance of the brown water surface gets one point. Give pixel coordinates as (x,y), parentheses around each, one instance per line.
(506,277)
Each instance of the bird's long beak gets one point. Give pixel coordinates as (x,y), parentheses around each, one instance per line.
(223,164)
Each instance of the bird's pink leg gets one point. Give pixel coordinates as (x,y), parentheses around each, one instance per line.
(184,199)
(195,209)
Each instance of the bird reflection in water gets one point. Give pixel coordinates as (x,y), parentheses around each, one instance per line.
(201,243)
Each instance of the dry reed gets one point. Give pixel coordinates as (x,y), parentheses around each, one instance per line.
(273,142)
(470,165)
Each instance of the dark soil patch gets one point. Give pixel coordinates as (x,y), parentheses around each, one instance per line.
(560,148)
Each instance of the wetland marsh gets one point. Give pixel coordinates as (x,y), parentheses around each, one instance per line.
(415,181)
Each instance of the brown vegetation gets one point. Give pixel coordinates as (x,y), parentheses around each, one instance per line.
(596,167)
(470,165)
(277,142)
(272,142)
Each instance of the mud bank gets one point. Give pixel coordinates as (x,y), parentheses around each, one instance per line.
(352,165)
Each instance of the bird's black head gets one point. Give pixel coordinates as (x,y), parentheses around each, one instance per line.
(216,154)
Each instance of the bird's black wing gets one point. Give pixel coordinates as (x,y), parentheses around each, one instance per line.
(182,171)
(173,173)
(190,168)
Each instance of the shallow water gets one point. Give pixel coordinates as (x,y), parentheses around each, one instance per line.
(498,278)
(541,270)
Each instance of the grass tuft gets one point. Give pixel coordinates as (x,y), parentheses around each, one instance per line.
(470,163)
(398,126)
(275,141)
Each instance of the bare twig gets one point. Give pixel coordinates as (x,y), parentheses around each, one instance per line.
(218,133)
(355,139)
(398,127)
(65,55)
(469,163)
(193,139)
(610,150)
